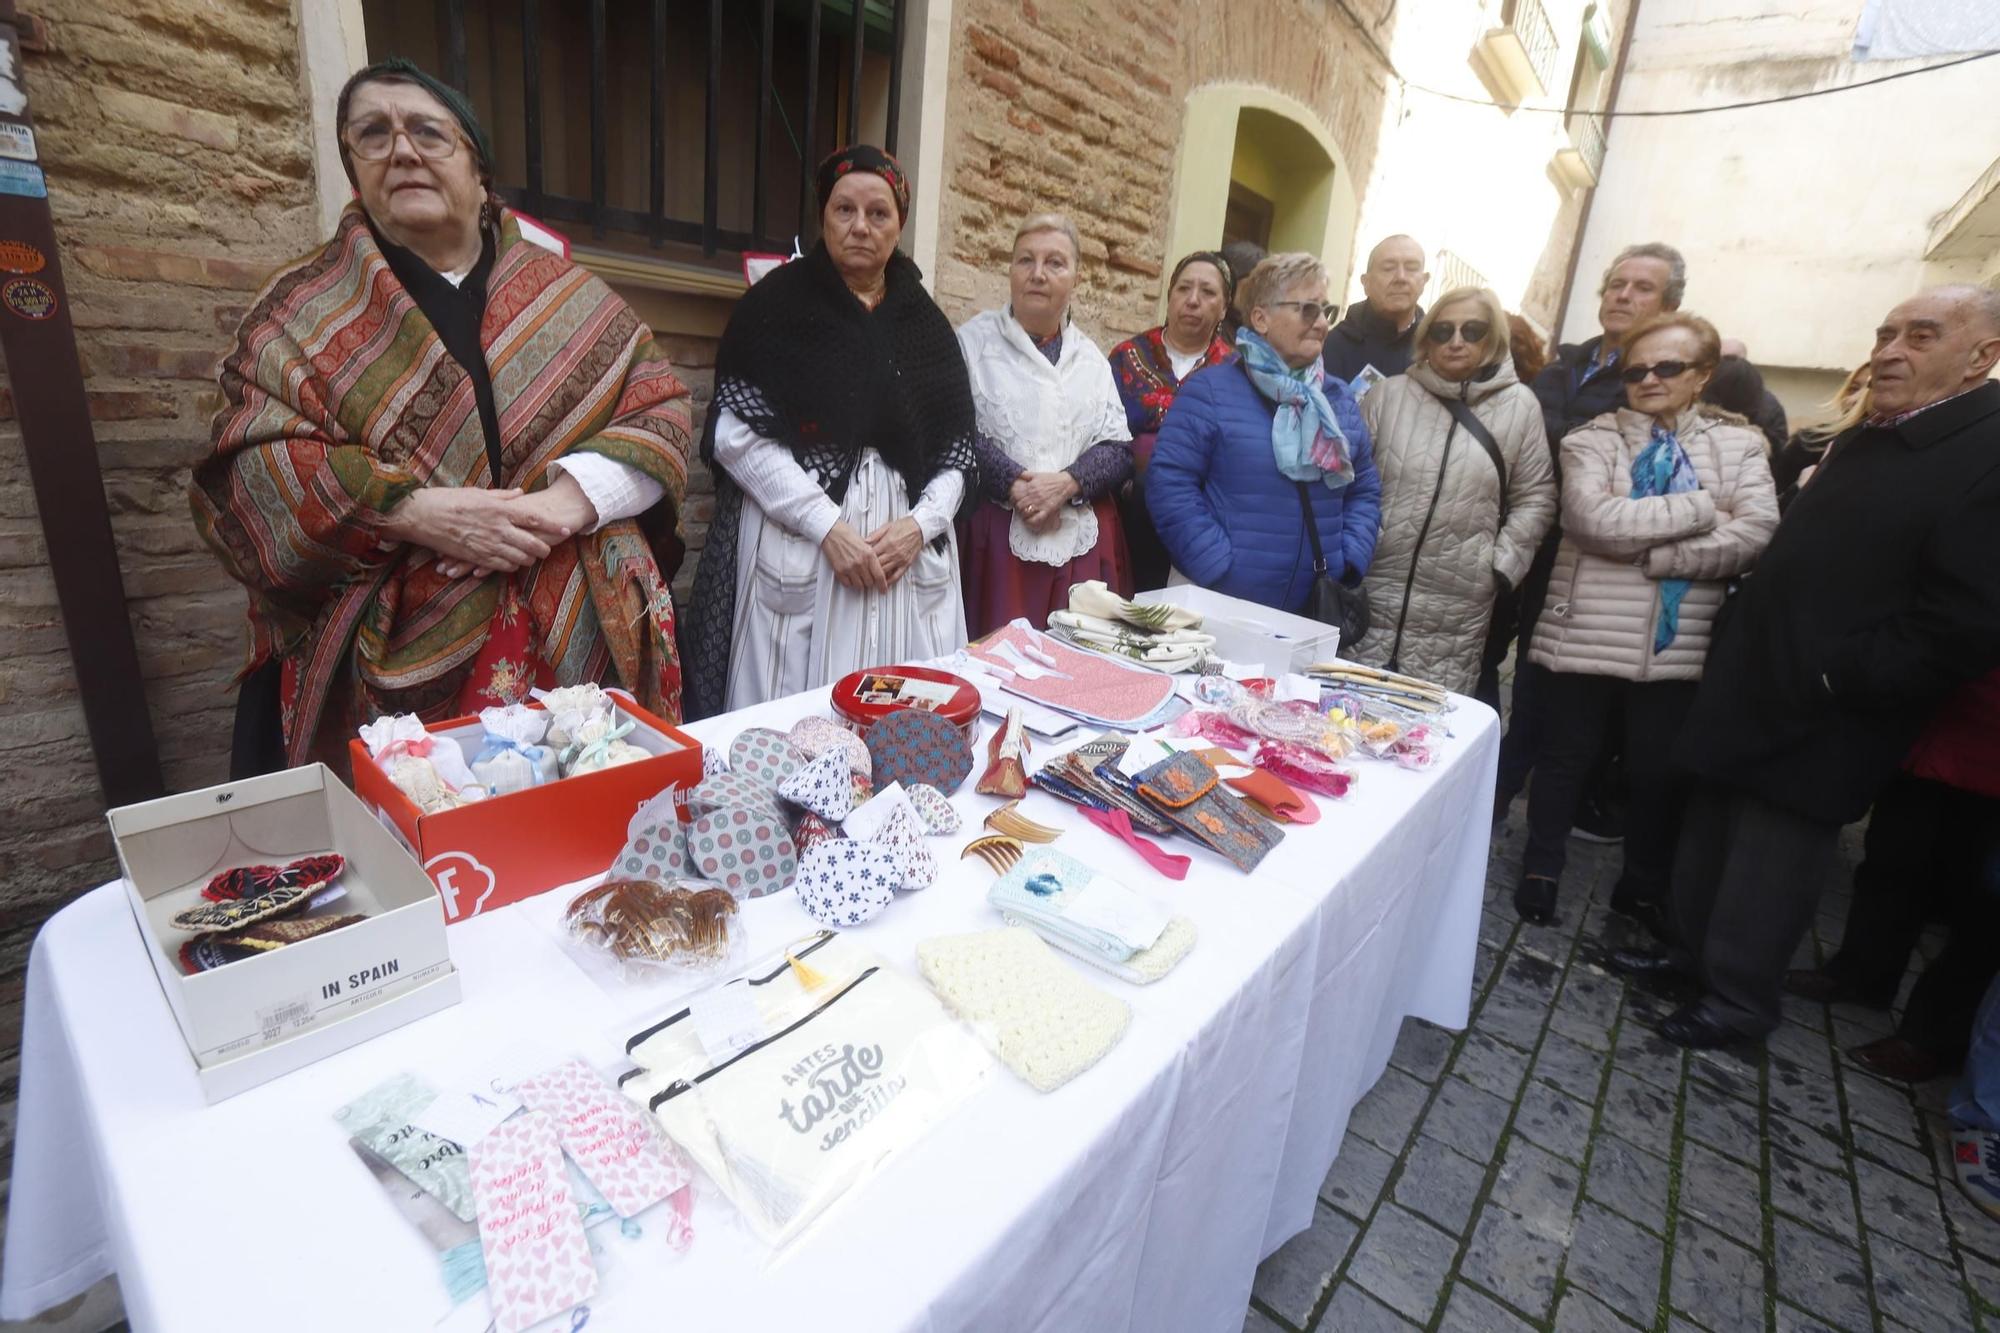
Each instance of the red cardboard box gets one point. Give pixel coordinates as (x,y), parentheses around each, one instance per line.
(507,848)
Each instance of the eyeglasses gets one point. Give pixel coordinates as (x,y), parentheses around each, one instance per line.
(375,140)
(1666,370)
(1310,311)
(1473,330)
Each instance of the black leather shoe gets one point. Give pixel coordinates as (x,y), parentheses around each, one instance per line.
(1535,899)
(1695,1028)
(1641,963)
(1648,912)
(1826,988)
(1597,820)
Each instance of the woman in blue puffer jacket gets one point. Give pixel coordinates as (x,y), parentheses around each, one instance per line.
(1247,441)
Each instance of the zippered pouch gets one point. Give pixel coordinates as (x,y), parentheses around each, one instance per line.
(792,1084)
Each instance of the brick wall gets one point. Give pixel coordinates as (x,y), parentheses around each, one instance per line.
(1077,106)
(175,139)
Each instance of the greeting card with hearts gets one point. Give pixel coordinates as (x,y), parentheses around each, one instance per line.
(537,1260)
(607,1135)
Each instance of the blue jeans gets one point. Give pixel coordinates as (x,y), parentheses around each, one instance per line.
(1975,1102)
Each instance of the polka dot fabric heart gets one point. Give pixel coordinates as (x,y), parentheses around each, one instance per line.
(824,786)
(933,810)
(809,830)
(748,852)
(842,882)
(815,736)
(911,746)
(916,867)
(655,850)
(763,756)
(732,791)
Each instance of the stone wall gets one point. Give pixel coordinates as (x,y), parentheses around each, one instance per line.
(1077,106)
(175,140)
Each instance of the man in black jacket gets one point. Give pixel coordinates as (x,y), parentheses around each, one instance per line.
(1580,385)
(1381,330)
(1879,594)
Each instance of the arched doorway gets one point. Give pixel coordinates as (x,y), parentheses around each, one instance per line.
(1255,164)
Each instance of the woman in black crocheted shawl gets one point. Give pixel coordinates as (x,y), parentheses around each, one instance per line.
(841,442)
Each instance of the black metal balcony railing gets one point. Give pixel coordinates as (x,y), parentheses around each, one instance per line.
(537,192)
(1537,36)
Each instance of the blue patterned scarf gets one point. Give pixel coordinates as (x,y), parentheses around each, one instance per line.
(1305,437)
(1663,468)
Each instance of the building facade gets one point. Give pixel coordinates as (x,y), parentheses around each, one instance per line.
(1803,221)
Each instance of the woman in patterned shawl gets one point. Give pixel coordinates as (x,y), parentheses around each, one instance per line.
(841,441)
(1149,369)
(439,459)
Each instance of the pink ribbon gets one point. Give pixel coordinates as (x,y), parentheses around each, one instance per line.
(1119,825)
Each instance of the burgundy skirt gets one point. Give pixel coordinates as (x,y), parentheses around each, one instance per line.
(999,585)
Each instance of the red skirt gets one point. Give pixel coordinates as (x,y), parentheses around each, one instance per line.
(1000,586)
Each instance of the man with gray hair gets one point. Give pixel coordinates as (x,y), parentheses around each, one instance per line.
(1878,597)
(1580,385)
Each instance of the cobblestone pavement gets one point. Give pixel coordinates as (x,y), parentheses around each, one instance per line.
(1558,1166)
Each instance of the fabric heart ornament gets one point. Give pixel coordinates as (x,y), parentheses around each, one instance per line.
(809,830)
(731,791)
(825,786)
(934,812)
(904,834)
(748,852)
(655,849)
(764,756)
(911,746)
(815,736)
(842,882)
(713,761)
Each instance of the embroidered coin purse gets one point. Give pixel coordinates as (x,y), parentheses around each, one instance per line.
(1184,789)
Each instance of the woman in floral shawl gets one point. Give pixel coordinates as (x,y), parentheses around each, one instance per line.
(439,459)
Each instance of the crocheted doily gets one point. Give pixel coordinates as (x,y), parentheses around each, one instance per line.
(1044,1022)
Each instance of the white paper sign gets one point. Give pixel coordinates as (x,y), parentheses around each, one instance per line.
(17,142)
(726,1020)
(865,821)
(1106,905)
(466,1117)
(1294,687)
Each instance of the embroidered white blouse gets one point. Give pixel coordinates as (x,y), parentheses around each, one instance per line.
(1043,415)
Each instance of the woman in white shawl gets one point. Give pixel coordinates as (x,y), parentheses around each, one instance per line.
(1053,444)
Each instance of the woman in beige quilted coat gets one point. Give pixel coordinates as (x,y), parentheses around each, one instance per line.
(1458,524)
(1663,503)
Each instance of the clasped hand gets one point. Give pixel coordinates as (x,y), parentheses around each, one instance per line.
(480,532)
(1039,497)
(874,562)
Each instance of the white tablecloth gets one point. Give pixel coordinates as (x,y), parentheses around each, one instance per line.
(1140,1196)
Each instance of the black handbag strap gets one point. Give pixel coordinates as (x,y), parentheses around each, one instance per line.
(1470,423)
(1312,530)
(1305,501)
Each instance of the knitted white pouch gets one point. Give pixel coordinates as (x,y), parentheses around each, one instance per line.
(1044,1022)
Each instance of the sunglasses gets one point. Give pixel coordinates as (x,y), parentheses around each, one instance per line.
(1474,331)
(1666,370)
(1310,311)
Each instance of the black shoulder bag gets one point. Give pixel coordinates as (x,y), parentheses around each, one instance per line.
(1470,423)
(1333,602)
